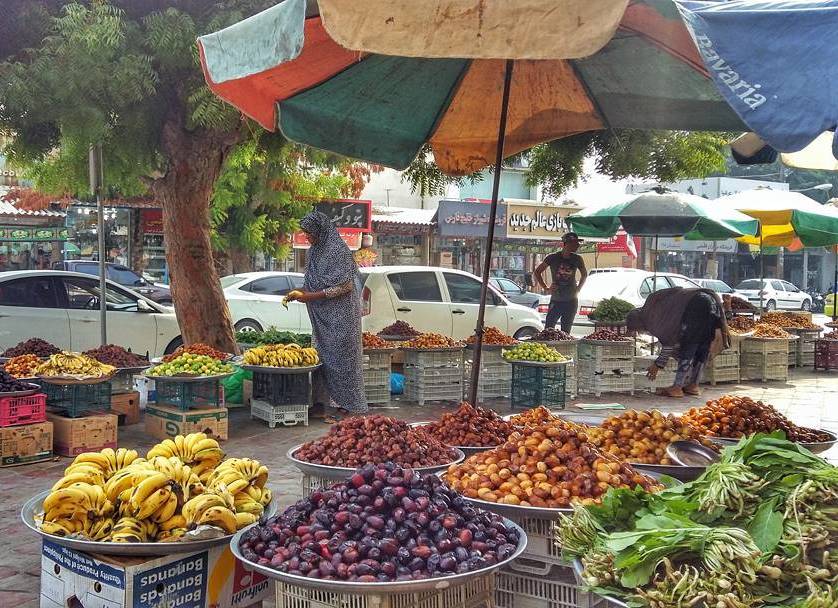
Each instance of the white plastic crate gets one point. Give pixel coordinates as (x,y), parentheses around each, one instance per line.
(769,359)
(433,358)
(662,380)
(721,374)
(377,360)
(765,373)
(597,377)
(286,415)
(478,592)
(556,589)
(490,390)
(377,394)
(452,391)
(492,357)
(606,351)
(541,545)
(433,376)
(310,483)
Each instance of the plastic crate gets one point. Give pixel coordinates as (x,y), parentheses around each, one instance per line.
(764,346)
(605,353)
(282,389)
(310,483)
(662,380)
(23,410)
(747,359)
(714,375)
(377,395)
(533,386)
(187,395)
(436,376)
(76,400)
(826,354)
(376,378)
(765,373)
(478,592)
(123,381)
(433,358)
(804,346)
(377,360)
(556,589)
(421,394)
(596,383)
(286,415)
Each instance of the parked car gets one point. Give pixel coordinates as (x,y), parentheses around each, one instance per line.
(774,294)
(630,284)
(255,301)
(122,275)
(63,308)
(514,292)
(720,287)
(438,300)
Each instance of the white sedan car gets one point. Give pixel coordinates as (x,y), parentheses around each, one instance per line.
(63,308)
(255,301)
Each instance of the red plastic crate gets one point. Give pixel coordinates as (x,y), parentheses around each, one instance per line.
(23,410)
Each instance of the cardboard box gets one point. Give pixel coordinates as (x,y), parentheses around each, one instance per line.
(25,444)
(162,421)
(206,579)
(126,406)
(247,392)
(86,434)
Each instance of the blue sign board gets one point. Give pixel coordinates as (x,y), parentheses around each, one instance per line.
(468,219)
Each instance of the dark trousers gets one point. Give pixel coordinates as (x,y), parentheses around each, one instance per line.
(565,311)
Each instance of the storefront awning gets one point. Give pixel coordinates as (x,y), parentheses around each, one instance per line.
(8,209)
(403,215)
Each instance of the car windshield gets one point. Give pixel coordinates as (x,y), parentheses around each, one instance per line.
(750,284)
(230,280)
(604,284)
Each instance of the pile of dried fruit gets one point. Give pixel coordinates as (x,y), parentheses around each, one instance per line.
(766,330)
(383,524)
(32,346)
(534,417)
(545,466)
(111,354)
(492,335)
(22,366)
(432,341)
(788,320)
(191,365)
(199,348)
(73,365)
(735,417)
(833,335)
(399,328)
(552,335)
(737,303)
(470,426)
(9,384)
(607,335)
(642,436)
(741,325)
(361,440)
(372,341)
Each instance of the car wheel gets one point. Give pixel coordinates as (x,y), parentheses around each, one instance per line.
(248,325)
(525,333)
(807,305)
(173,346)
(771,305)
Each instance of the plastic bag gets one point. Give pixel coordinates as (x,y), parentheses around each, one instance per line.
(396,384)
(234,384)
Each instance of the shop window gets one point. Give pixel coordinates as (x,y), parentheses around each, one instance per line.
(273,286)
(415,286)
(83,294)
(33,292)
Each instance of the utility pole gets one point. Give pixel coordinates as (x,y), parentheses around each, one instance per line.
(97,179)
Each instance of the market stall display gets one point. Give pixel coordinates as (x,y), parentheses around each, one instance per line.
(433,369)
(371,341)
(494,380)
(383,524)
(750,529)
(764,355)
(190,365)
(533,352)
(741,325)
(732,417)
(22,366)
(117,357)
(181,494)
(536,416)
(769,330)
(281,355)
(68,368)
(431,341)
(542,467)
(12,387)
(611,311)
(606,335)
(198,348)
(788,320)
(492,336)
(272,336)
(826,351)
(377,364)
(551,334)
(741,305)
(400,330)
(190,381)
(605,363)
(33,346)
(469,428)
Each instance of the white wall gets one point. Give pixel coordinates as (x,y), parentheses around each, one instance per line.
(388,184)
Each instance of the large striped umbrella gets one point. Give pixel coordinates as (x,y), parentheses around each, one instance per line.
(477,80)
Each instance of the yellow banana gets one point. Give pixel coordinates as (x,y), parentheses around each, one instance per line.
(245,519)
(128,530)
(165,448)
(96,458)
(166,511)
(266,497)
(56,528)
(146,488)
(73,494)
(68,480)
(154,501)
(221,517)
(101,529)
(168,536)
(175,521)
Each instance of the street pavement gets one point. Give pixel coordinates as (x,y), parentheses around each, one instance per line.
(808,399)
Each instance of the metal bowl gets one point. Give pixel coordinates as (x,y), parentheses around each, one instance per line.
(34,504)
(471,346)
(517,511)
(285,371)
(676,471)
(341,473)
(578,569)
(691,454)
(467,450)
(75,381)
(30,391)
(186,379)
(430,584)
(816,448)
(538,363)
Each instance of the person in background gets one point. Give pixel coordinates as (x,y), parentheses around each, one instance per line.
(564,298)
(691,327)
(330,292)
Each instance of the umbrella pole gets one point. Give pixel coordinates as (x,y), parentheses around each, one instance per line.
(655,266)
(493,212)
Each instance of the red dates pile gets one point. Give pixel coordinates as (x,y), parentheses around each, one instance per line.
(361,440)
(32,346)
(606,335)
(384,524)
(399,328)
(111,354)
(470,426)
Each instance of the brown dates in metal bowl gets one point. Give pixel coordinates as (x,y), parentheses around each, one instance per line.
(362,440)
(470,426)
(383,524)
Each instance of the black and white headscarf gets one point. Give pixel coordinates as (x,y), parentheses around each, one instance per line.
(330,262)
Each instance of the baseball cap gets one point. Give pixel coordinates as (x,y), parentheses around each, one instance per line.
(571,236)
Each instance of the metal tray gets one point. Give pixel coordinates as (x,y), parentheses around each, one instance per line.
(188,379)
(444,349)
(517,511)
(688,453)
(137,370)
(470,346)
(71,381)
(281,371)
(607,342)
(467,450)
(578,569)
(816,448)
(538,363)
(372,351)
(392,338)
(341,473)
(33,505)
(552,343)
(35,388)
(676,471)
(430,584)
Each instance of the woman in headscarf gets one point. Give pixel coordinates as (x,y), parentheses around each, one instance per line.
(686,322)
(330,291)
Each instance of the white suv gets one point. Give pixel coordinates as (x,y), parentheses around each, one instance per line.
(439,300)
(775,294)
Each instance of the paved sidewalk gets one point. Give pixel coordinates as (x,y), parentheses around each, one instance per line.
(808,399)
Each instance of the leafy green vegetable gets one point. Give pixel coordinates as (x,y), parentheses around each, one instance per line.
(766,528)
(272,336)
(612,310)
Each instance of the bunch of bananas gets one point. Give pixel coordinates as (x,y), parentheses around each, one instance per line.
(73,365)
(117,496)
(281,355)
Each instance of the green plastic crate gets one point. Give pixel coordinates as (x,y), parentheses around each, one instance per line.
(188,395)
(533,386)
(76,400)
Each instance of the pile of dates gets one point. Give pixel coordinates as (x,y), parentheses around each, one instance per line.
(606,335)
(470,426)
(399,328)
(9,384)
(551,334)
(32,346)
(111,354)
(384,524)
(361,440)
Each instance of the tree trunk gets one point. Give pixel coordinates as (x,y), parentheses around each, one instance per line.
(194,163)
(240,260)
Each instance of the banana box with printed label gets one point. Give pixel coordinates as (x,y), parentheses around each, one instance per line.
(163,421)
(205,579)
